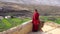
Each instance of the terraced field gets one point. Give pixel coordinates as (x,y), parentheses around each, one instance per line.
(50,18)
(12,22)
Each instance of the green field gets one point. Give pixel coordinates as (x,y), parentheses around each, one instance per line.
(11,22)
(50,18)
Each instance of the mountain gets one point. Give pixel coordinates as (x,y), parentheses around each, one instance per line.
(43,9)
(35,2)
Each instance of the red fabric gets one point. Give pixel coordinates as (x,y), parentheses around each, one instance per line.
(35,20)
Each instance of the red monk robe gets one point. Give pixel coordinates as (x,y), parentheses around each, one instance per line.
(35,20)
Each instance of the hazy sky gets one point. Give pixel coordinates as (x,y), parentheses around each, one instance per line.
(44,2)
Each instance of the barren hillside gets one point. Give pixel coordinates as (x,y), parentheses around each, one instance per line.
(43,9)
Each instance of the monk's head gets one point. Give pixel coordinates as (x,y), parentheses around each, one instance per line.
(36,10)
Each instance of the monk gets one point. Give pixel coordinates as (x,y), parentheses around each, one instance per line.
(35,21)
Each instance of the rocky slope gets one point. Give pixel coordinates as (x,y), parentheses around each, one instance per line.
(43,9)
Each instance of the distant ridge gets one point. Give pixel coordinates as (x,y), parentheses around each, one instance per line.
(43,9)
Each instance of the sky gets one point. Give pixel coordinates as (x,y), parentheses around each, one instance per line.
(39,2)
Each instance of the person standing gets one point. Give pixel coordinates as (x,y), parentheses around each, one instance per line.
(35,21)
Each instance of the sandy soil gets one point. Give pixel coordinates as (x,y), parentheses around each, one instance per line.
(48,29)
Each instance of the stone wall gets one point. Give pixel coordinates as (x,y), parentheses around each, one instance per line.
(24,28)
